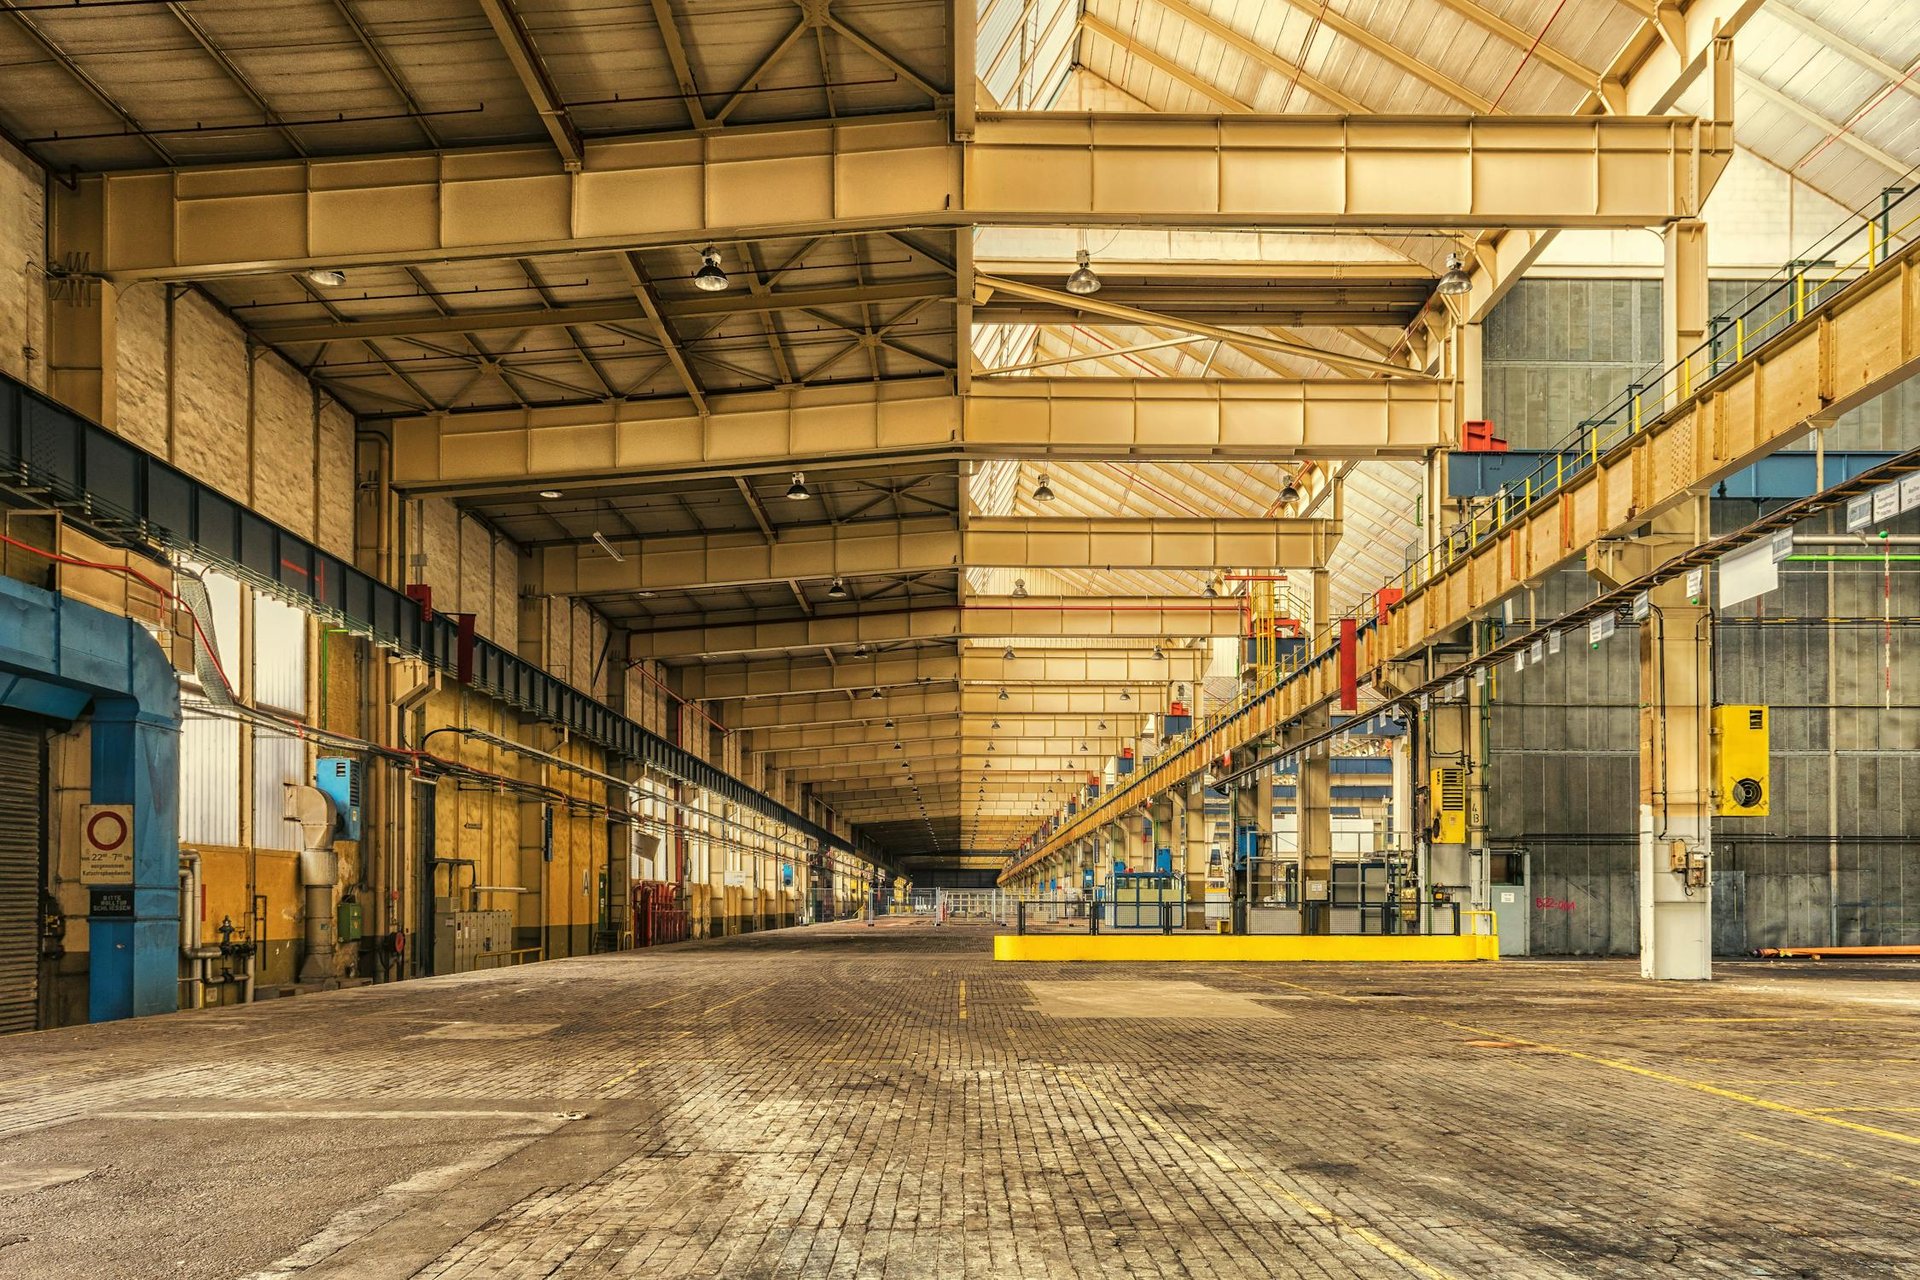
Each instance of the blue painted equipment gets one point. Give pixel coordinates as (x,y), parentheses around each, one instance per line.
(338,779)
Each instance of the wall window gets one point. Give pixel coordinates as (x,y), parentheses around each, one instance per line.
(279,656)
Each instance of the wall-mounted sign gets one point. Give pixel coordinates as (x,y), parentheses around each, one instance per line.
(110,904)
(106,844)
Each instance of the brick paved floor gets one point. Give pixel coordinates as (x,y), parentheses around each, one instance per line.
(846,1102)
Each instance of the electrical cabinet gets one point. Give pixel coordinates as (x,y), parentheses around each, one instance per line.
(1449,801)
(468,940)
(338,778)
(1742,776)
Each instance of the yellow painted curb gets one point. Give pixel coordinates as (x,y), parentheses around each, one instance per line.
(1237,949)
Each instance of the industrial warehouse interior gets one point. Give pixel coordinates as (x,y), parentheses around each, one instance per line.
(927,638)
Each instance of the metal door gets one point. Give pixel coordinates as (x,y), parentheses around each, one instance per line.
(22,839)
(1512,903)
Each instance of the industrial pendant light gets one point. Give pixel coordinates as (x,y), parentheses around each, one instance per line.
(1003,695)
(1289,491)
(1211,591)
(327,277)
(1103,726)
(889,722)
(1008,654)
(875,695)
(838,591)
(798,491)
(1043,492)
(1455,282)
(898,747)
(1125,696)
(1019,588)
(1082,281)
(996,722)
(710,278)
(1159,653)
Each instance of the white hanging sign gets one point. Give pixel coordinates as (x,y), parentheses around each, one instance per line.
(1539,652)
(1910,492)
(1553,642)
(1859,512)
(1696,584)
(1599,629)
(1746,573)
(1886,502)
(1642,606)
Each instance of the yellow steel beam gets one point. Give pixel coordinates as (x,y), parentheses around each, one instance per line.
(927,728)
(515,450)
(1093,305)
(910,667)
(930,545)
(881,173)
(1092,617)
(843,707)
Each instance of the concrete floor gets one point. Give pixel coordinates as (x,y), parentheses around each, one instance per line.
(846,1101)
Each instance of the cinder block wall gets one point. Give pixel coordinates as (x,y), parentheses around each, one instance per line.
(1563,776)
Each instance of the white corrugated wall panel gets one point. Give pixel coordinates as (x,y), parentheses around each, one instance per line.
(209,778)
(277,760)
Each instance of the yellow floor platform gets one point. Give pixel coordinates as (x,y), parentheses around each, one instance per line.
(1237,949)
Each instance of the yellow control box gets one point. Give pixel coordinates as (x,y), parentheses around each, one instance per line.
(1448,798)
(1742,777)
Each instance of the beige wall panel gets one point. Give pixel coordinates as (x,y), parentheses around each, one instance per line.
(476,575)
(23,302)
(506,593)
(438,536)
(209,396)
(333,520)
(283,445)
(140,348)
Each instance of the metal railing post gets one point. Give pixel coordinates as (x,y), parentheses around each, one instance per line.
(1020,917)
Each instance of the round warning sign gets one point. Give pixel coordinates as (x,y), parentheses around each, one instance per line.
(106,844)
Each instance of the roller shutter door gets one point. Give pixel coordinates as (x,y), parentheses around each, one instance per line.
(22,827)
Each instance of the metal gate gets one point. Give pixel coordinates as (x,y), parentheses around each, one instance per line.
(22,828)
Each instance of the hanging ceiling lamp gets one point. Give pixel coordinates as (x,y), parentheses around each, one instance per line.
(1019,588)
(798,491)
(1455,282)
(1043,492)
(710,278)
(1082,282)
(838,591)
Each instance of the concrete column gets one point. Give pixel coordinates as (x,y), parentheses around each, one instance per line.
(1315,807)
(1138,850)
(1676,804)
(1197,839)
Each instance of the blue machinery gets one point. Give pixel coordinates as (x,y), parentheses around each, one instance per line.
(62,660)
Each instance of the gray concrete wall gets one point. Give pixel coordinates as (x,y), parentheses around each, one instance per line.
(1564,737)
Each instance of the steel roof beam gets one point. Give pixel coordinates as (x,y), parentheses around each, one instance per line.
(517,43)
(518,451)
(890,173)
(1132,616)
(931,544)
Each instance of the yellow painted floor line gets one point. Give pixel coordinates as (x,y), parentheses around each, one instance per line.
(1842,1161)
(1634,1068)
(669,1000)
(1225,1163)
(963,1000)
